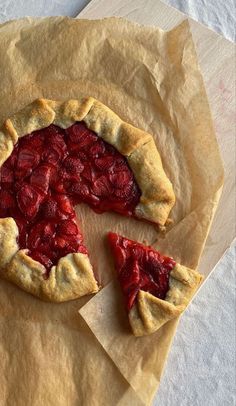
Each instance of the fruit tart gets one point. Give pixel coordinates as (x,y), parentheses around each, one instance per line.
(155,288)
(53,156)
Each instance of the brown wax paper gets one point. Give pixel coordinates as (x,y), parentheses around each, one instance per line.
(49,353)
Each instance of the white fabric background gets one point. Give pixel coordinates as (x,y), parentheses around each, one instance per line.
(220,15)
(201,366)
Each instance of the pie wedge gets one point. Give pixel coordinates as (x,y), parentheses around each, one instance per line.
(156,289)
(53,156)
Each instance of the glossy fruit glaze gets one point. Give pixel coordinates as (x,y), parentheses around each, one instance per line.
(50,171)
(140,268)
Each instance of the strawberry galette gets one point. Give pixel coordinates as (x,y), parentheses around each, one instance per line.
(53,156)
(156,289)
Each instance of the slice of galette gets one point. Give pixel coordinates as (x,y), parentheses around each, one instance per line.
(156,289)
(53,156)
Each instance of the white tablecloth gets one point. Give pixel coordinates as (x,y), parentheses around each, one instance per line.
(204,374)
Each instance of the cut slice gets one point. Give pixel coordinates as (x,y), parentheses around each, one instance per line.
(156,289)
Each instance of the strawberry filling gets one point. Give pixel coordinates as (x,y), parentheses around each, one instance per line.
(50,171)
(140,268)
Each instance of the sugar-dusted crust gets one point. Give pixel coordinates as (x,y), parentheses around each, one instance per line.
(150,313)
(73,276)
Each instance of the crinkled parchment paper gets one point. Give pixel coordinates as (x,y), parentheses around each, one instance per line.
(50,354)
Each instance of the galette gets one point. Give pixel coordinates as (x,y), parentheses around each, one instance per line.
(55,155)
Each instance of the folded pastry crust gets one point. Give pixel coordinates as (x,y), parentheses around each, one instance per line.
(73,276)
(150,313)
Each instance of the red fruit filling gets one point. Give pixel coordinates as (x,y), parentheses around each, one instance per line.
(140,268)
(51,170)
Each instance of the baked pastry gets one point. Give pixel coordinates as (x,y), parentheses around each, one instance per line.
(54,155)
(156,289)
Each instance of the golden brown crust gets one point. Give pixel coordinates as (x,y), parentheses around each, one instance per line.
(150,313)
(157,195)
(6,147)
(8,240)
(156,201)
(70,279)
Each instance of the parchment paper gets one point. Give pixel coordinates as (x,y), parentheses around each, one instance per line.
(151,79)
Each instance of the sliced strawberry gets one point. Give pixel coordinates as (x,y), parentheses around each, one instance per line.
(97,149)
(21,175)
(115,241)
(53,155)
(18,184)
(88,172)
(102,187)
(11,162)
(67,227)
(79,134)
(58,177)
(79,188)
(87,141)
(125,192)
(55,148)
(43,259)
(150,285)
(131,297)
(41,236)
(82,156)
(104,163)
(60,243)
(27,159)
(73,243)
(82,249)
(40,177)
(49,208)
(54,137)
(163,281)
(120,257)
(6,175)
(59,186)
(53,174)
(34,141)
(22,225)
(73,165)
(138,253)
(121,179)
(64,204)
(130,277)
(29,200)
(92,200)
(120,163)
(51,131)
(168,263)
(7,201)
(66,245)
